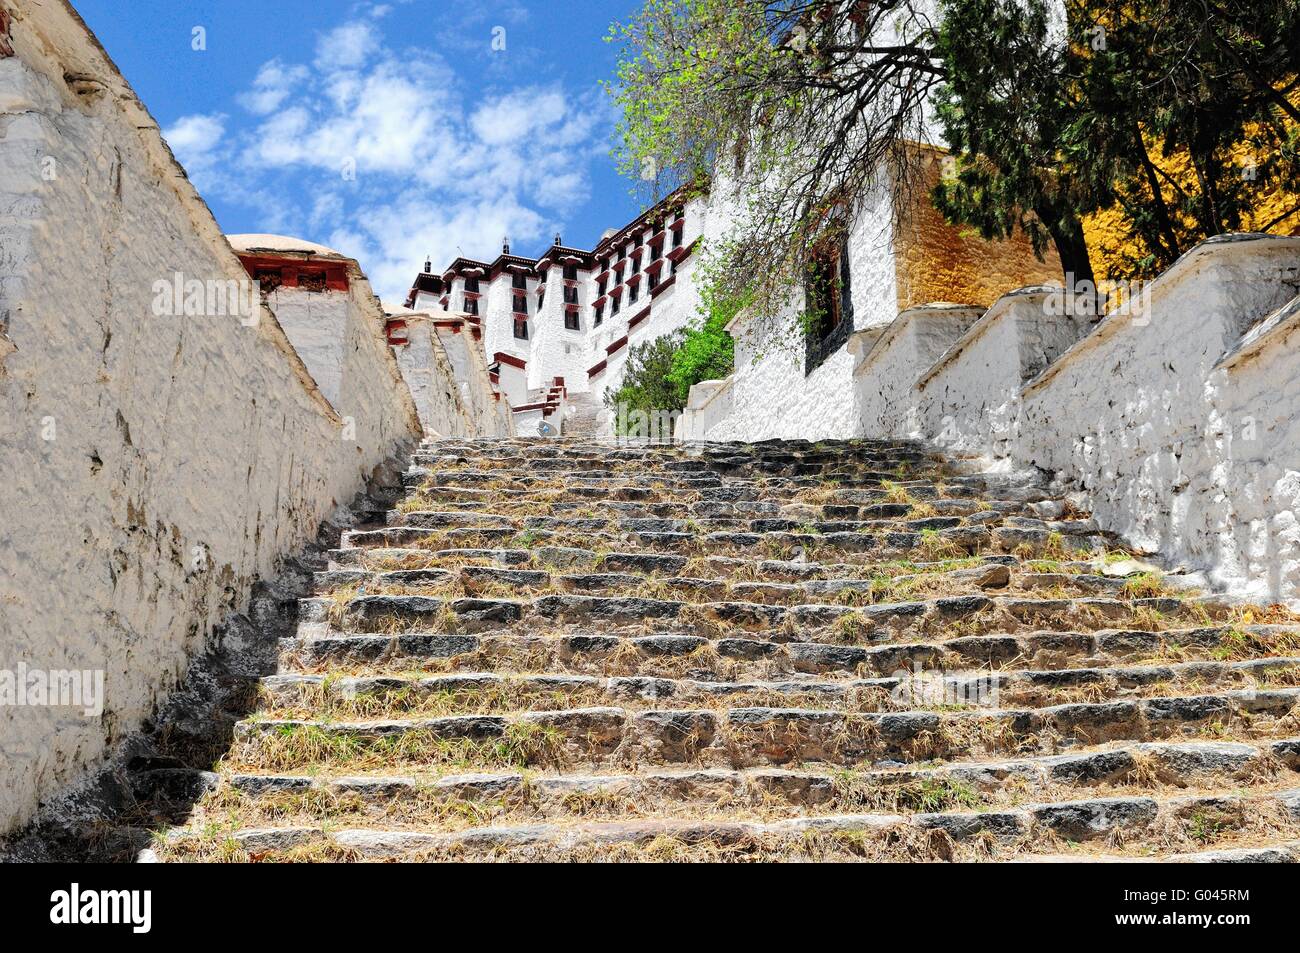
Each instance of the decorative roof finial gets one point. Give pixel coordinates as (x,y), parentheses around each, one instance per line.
(428,265)
(557,239)
(505,245)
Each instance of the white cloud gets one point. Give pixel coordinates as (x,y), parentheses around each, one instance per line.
(194,139)
(347,46)
(272,85)
(373,151)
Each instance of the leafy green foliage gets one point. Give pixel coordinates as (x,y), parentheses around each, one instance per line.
(1005,111)
(659,374)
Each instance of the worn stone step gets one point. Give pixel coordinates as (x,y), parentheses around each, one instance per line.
(752,736)
(847,590)
(480,692)
(1001,834)
(678,654)
(899,790)
(947,616)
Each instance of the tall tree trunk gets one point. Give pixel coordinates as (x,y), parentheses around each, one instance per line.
(1067,235)
(1164,221)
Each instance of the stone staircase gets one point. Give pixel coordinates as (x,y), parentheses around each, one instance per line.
(590,418)
(783,651)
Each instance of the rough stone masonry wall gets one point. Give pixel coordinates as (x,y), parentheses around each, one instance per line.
(153,467)
(1176,451)
(769,394)
(936,261)
(1177,419)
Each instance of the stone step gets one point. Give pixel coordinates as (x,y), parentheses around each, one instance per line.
(917,542)
(746,737)
(1186,765)
(969,614)
(675,655)
(850,589)
(373,696)
(950,835)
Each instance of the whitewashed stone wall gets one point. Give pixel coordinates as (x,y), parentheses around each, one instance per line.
(153,466)
(770,395)
(969,400)
(1178,450)
(432,380)
(340,336)
(884,379)
(445,368)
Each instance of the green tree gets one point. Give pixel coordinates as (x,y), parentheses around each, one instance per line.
(1004,109)
(1189,114)
(789,110)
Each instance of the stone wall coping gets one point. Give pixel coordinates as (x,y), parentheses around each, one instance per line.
(920,312)
(1233,245)
(976,330)
(1268,333)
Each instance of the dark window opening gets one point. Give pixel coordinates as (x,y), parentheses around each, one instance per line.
(613,307)
(471,284)
(541,299)
(570,272)
(571,321)
(829,308)
(521,328)
(632,293)
(471,305)
(653,280)
(268,279)
(519,280)
(570,295)
(311,280)
(600,315)
(601,286)
(521,304)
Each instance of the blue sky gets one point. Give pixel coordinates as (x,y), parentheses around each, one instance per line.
(388,129)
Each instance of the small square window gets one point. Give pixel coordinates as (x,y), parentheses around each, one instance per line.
(829,304)
(521,304)
(311,280)
(471,305)
(268,279)
(571,321)
(521,328)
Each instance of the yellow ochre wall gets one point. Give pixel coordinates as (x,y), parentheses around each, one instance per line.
(935,261)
